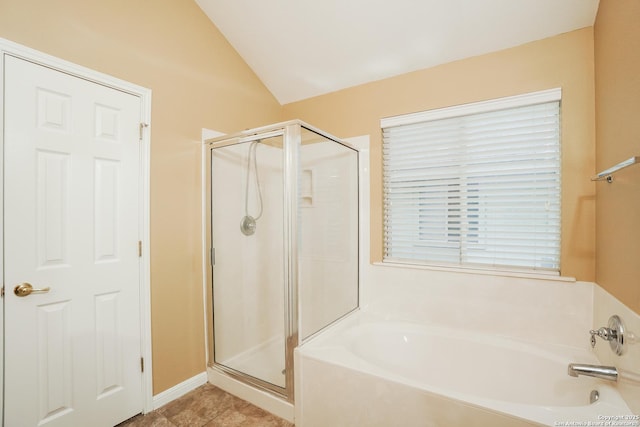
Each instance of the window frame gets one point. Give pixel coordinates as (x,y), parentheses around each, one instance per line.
(540,97)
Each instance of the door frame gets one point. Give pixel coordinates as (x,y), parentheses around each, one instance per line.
(14,49)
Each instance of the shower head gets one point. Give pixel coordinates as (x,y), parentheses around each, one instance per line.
(248,225)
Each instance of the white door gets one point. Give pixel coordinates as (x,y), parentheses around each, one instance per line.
(71,220)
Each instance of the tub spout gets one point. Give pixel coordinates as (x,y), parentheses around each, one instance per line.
(604,372)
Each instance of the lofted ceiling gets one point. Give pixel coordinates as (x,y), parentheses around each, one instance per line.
(304,48)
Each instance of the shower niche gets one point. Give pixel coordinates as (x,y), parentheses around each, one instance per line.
(282,233)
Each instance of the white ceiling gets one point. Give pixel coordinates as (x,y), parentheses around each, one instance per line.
(303,48)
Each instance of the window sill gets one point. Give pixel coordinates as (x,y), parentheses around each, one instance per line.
(553,277)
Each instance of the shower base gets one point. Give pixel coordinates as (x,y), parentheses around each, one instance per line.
(264,361)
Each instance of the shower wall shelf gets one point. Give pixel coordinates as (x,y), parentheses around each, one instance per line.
(607,174)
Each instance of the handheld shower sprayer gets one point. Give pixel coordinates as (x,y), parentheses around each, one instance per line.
(248,222)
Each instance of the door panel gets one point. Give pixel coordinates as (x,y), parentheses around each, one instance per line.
(71,216)
(248,276)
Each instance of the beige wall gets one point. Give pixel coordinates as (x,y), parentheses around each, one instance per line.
(617,77)
(198,81)
(564,61)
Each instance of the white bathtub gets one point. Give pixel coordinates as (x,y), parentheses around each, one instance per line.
(367,372)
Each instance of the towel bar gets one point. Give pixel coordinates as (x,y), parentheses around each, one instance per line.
(607,174)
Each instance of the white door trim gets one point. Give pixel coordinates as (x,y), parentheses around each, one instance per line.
(10,48)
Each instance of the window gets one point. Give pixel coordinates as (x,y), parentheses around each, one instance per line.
(475,185)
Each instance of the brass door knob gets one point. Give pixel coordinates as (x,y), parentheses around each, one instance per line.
(24,289)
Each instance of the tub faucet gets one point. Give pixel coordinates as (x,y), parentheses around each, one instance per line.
(614,332)
(604,372)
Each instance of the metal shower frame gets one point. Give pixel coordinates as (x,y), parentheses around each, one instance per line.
(292,135)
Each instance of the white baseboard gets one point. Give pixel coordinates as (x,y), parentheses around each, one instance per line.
(178,390)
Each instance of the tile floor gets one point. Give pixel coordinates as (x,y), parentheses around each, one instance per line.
(207,406)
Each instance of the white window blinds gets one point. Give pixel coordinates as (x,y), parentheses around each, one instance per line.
(475,185)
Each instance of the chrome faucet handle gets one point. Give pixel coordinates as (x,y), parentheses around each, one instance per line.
(604,333)
(614,333)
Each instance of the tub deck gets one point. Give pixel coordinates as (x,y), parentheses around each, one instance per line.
(371,372)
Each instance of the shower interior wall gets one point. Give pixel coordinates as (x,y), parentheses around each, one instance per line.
(328,209)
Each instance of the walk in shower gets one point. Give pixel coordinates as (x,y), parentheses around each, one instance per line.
(282,235)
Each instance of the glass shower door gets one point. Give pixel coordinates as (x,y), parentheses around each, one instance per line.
(248,273)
